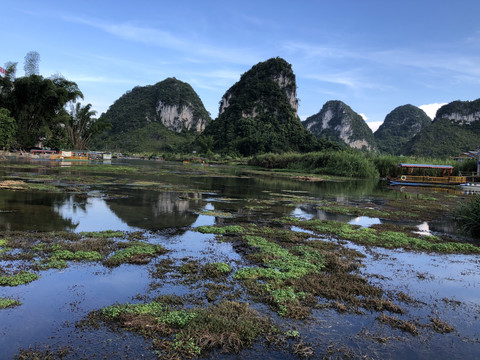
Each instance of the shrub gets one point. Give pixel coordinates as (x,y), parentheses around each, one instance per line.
(468,217)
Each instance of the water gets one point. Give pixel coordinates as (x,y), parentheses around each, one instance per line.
(446,286)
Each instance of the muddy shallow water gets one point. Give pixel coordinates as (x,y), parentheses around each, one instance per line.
(168,202)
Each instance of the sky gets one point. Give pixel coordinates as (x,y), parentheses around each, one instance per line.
(374,55)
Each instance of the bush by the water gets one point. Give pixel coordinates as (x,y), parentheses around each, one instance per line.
(468,217)
(337,163)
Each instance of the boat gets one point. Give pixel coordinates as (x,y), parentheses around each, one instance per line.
(470,187)
(412,177)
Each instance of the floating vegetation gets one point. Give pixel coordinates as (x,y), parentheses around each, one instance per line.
(216,269)
(377,236)
(6,303)
(179,332)
(42,251)
(21,278)
(216,213)
(103,234)
(135,253)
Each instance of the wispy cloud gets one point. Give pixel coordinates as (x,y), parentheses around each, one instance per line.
(166,39)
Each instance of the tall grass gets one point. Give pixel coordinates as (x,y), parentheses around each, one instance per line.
(349,163)
(337,163)
(468,217)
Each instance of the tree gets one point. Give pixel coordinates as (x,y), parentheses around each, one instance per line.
(6,83)
(30,66)
(37,103)
(7,128)
(81,125)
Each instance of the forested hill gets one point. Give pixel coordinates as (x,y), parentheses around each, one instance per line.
(399,127)
(336,121)
(160,117)
(259,114)
(455,129)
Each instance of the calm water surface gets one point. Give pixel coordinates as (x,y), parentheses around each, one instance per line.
(447,285)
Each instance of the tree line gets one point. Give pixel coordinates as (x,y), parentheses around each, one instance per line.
(38,111)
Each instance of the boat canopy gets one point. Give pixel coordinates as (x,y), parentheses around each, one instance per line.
(411,167)
(426,166)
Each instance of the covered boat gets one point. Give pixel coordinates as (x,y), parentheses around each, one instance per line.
(427,174)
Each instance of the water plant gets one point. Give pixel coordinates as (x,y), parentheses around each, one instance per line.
(217,269)
(135,253)
(8,303)
(382,236)
(23,277)
(221,230)
(103,234)
(175,331)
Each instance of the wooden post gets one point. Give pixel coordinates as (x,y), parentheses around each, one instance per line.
(478,161)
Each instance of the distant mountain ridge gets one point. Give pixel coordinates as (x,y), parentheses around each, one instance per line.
(399,127)
(455,129)
(336,121)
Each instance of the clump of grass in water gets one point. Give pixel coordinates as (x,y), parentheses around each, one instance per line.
(76,256)
(221,230)
(229,326)
(21,278)
(8,303)
(217,269)
(103,234)
(135,253)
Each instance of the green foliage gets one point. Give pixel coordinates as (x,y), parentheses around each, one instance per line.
(76,256)
(220,230)
(348,163)
(37,105)
(103,234)
(8,303)
(400,126)
(387,239)
(21,278)
(259,117)
(80,126)
(468,216)
(217,269)
(8,128)
(135,253)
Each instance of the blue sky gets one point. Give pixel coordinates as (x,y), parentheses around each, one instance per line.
(374,55)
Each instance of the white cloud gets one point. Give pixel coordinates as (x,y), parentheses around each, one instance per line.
(364,117)
(431,109)
(374,125)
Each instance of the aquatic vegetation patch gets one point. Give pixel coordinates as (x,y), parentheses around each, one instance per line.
(76,256)
(6,303)
(180,332)
(216,269)
(221,230)
(21,278)
(216,213)
(377,236)
(103,234)
(395,322)
(134,253)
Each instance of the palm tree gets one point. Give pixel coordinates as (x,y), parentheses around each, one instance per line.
(81,125)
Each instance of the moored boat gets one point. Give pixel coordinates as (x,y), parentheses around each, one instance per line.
(470,187)
(425,179)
